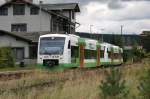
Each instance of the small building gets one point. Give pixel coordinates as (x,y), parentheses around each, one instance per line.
(18,44)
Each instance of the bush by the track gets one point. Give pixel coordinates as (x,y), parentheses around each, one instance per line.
(6,57)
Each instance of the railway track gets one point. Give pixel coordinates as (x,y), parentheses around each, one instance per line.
(52,82)
(10,75)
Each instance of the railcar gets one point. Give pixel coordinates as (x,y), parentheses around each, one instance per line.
(62,51)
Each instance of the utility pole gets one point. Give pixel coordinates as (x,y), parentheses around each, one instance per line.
(102,31)
(91,31)
(121,30)
(122,35)
(40,2)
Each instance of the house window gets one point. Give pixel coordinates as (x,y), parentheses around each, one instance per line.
(18,9)
(19,27)
(4,11)
(72,30)
(34,11)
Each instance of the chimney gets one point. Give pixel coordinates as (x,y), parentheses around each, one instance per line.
(40,2)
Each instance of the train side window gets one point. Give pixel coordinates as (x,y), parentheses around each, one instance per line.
(104,49)
(74,53)
(102,53)
(109,54)
(90,54)
(69,45)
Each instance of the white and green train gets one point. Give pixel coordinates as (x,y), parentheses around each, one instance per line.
(69,51)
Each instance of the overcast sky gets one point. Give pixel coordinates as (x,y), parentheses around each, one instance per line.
(109,15)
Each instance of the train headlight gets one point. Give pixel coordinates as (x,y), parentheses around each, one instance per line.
(61,57)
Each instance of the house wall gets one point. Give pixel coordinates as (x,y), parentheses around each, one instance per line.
(40,22)
(9,41)
(69,13)
(66,13)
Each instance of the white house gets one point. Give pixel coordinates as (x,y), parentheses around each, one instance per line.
(24,16)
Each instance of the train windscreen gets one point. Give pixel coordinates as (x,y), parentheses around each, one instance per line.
(52,45)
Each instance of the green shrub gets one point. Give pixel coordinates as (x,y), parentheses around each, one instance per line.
(113,87)
(126,55)
(6,58)
(147,55)
(137,54)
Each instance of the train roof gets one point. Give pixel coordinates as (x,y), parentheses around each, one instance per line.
(106,44)
(59,35)
(87,40)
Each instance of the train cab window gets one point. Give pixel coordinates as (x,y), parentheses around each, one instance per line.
(69,45)
(52,45)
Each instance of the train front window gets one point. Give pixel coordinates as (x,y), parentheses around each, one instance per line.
(52,45)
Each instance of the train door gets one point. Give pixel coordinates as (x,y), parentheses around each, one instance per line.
(69,52)
(102,51)
(109,54)
(106,53)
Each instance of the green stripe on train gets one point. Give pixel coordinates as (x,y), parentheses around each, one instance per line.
(71,65)
(58,67)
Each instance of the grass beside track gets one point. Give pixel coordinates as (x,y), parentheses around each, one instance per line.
(71,84)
